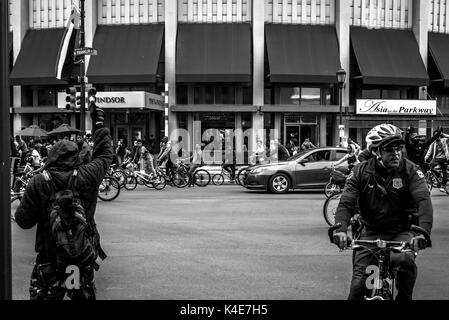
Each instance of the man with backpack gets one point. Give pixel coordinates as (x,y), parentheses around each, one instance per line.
(61,201)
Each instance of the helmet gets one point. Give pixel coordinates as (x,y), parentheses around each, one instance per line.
(382,134)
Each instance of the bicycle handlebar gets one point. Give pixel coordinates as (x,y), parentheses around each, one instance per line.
(413,228)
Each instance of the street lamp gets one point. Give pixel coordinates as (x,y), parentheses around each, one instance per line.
(341,78)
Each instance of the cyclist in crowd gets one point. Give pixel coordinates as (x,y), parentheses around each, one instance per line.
(438,154)
(195,162)
(350,157)
(415,147)
(357,148)
(387,189)
(229,162)
(85,150)
(164,156)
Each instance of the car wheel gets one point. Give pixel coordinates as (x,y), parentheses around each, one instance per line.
(279,183)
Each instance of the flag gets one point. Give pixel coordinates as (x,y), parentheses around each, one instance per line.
(65,59)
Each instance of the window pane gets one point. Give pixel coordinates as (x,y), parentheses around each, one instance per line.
(290,95)
(371,94)
(224,95)
(391,94)
(46,97)
(310,96)
(181,95)
(248,95)
(203,95)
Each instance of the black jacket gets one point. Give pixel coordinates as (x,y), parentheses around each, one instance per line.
(61,161)
(416,151)
(385,199)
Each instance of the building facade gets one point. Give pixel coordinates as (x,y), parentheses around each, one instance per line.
(231,65)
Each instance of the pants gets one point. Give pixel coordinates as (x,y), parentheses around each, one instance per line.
(231,169)
(192,169)
(402,266)
(48,283)
(443,165)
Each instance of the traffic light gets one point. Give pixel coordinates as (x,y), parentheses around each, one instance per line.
(78,101)
(91,96)
(70,98)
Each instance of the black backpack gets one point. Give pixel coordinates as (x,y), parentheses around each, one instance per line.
(74,239)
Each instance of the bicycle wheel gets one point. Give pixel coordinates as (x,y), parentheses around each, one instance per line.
(180,179)
(15,202)
(331,188)
(109,189)
(241,176)
(120,175)
(131,182)
(202,178)
(160,183)
(218,179)
(330,208)
(429,180)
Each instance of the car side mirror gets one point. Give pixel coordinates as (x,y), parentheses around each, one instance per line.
(303,161)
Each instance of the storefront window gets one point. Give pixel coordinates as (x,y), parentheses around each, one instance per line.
(296,96)
(371,94)
(247,95)
(225,95)
(46,97)
(267,96)
(394,94)
(203,95)
(49,122)
(182,120)
(181,95)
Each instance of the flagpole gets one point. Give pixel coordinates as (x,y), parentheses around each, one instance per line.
(82,79)
(5,209)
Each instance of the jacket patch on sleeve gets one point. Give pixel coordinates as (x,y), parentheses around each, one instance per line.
(420,174)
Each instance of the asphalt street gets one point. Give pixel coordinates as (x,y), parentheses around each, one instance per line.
(224,242)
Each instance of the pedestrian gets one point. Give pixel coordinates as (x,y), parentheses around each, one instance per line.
(438,154)
(61,201)
(306,145)
(196,161)
(417,148)
(22,148)
(120,151)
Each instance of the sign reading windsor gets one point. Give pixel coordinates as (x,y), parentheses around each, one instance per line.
(396,107)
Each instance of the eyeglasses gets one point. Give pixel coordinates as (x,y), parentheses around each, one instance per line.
(392,149)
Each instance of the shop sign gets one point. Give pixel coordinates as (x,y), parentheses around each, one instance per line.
(396,107)
(123,99)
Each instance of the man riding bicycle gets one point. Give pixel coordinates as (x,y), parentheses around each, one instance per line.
(386,189)
(438,154)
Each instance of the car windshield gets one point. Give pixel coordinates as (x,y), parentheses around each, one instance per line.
(298,155)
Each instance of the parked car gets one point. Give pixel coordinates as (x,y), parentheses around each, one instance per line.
(309,169)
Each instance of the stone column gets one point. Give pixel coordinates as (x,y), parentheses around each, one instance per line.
(258,67)
(171,24)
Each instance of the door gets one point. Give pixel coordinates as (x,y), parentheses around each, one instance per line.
(122,132)
(136,133)
(308,131)
(313,173)
(292,137)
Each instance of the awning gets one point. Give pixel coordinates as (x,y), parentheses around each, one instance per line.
(388,57)
(439,50)
(213,52)
(302,53)
(126,54)
(36,63)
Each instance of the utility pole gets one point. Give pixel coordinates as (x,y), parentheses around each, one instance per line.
(82,79)
(5,207)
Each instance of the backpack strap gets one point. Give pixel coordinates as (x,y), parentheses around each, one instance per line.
(72,182)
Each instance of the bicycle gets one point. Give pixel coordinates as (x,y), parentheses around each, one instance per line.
(434,178)
(241,175)
(16,198)
(109,189)
(330,208)
(383,278)
(218,178)
(336,183)
(141,177)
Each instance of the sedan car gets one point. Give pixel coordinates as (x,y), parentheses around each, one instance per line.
(309,169)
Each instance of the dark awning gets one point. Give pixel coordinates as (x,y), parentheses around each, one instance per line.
(126,54)
(439,50)
(302,53)
(36,63)
(213,52)
(388,57)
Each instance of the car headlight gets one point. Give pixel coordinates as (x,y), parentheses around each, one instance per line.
(256,170)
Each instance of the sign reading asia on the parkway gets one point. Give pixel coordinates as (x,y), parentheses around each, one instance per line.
(396,107)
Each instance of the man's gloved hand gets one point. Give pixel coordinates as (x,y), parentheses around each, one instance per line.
(341,239)
(418,243)
(97,114)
